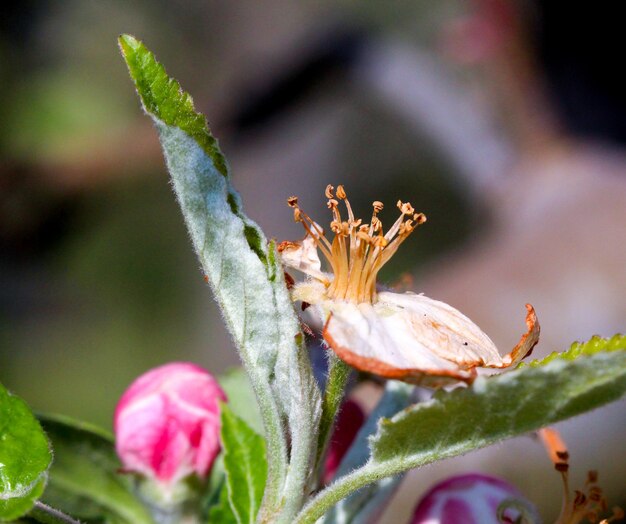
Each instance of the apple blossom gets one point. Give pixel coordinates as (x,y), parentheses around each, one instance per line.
(167,423)
(401,336)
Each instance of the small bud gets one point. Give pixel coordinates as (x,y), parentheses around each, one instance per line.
(472,499)
(167,423)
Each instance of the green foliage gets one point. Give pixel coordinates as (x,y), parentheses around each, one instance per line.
(241,400)
(492,409)
(24,457)
(246,278)
(222,512)
(163,97)
(245,465)
(594,345)
(85,481)
(501,406)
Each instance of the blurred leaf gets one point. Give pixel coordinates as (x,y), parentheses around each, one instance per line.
(245,275)
(85,481)
(492,409)
(241,399)
(245,465)
(222,513)
(24,457)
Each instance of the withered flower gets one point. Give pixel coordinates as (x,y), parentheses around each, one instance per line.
(402,336)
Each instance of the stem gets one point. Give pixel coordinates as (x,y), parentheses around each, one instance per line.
(51,515)
(338,376)
(340,489)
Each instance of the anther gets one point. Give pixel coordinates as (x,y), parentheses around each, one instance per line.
(378,206)
(292,201)
(297,214)
(332,203)
(561,467)
(329,191)
(563,455)
(341,193)
(405,208)
(419,218)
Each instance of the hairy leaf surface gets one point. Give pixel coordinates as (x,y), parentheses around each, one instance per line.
(494,408)
(245,275)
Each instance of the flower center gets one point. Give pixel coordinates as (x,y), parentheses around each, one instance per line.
(358,251)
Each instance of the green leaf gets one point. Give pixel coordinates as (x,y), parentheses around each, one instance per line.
(241,400)
(222,512)
(246,278)
(84,479)
(502,406)
(594,345)
(245,465)
(494,408)
(25,457)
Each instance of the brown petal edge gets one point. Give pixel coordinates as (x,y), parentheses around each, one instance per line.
(526,344)
(419,377)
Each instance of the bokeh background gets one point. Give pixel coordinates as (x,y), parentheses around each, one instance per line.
(505,122)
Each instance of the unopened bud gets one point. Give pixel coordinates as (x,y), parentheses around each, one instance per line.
(167,423)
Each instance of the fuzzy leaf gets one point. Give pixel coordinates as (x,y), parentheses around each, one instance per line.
(503,406)
(245,465)
(245,276)
(84,479)
(492,409)
(241,400)
(594,345)
(24,457)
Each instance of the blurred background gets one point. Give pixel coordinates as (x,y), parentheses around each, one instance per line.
(504,122)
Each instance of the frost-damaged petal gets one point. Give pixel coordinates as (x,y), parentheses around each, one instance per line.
(525,345)
(303,257)
(416,339)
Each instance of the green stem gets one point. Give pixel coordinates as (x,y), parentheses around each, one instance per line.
(338,375)
(50,515)
(340,489)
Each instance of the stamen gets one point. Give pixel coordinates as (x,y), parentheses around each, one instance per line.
(355,266)
(585,505)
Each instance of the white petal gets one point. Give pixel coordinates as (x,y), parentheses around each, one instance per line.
(303,257)
(413,338)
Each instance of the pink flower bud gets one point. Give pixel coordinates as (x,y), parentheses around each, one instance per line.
(167,423)
(349,422)
(467,499)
